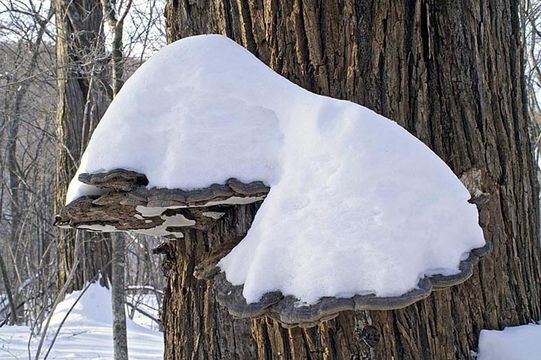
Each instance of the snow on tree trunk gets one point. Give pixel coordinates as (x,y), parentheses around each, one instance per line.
(81,103)
(449,72)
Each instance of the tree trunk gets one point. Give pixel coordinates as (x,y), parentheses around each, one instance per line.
(119,243)
(448,71)
(82,100)
(118,297)
(9,295)
(116,26)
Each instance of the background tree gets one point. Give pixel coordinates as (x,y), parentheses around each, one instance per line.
(88,77)
(83,94)
(115,15)
(29,147)
(25,153)
(531,31)
(449,72)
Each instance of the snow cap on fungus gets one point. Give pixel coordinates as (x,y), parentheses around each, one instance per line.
(360,214)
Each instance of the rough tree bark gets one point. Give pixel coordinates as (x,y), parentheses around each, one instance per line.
(81,101)
(448,71)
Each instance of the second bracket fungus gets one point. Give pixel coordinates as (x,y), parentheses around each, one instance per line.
(357,213)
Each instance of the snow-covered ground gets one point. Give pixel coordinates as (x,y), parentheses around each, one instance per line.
(148,305)
(512,343)
(86,333)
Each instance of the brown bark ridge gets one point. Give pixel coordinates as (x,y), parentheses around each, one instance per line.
(451,73)
(81,102)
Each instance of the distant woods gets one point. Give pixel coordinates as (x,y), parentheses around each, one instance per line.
(59,70)
(531,31)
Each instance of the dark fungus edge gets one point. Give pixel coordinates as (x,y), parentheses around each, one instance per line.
(288,311)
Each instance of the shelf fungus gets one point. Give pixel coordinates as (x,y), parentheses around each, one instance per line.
(125,204)
(354,212)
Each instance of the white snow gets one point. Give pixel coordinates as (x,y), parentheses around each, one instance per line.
(86,333)
(512,343)
(147,303)
(357,204)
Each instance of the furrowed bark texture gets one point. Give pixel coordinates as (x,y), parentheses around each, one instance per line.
(448,71)
(81,103)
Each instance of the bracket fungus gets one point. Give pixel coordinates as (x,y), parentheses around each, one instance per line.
(356,213)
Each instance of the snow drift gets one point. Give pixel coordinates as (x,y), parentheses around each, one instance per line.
(86,332)
(357,205)
(512,343)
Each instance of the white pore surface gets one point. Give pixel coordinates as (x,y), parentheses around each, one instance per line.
(357,204)
(512,343)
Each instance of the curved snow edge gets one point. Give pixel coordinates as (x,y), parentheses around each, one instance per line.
(287,311)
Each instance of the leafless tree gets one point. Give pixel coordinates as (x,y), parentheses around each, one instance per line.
(24,130)
(30,75)
(531,40)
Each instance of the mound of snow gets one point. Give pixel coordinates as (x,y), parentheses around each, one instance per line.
(357,205)
(86,333)
(93,307)
(512,343)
